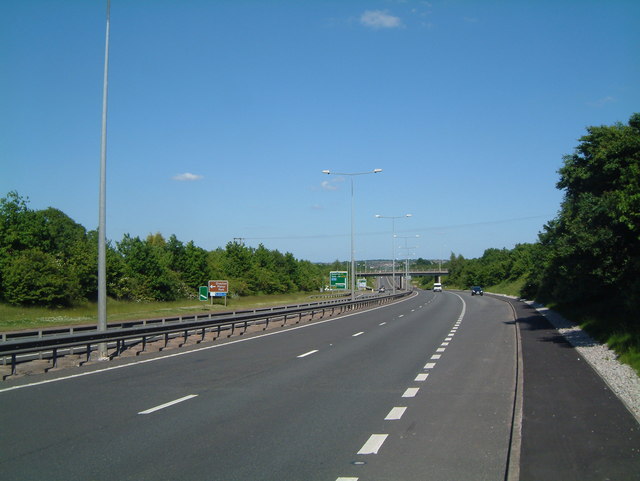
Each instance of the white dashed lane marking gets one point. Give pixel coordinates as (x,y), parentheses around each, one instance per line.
(411,392)
(307,354)
(395,414)
(166,405)
(375,441)
(373,444)
(358,334)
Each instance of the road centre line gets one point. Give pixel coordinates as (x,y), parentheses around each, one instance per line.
(166,405)
(373,444)
(421,377)
(395,414)
(307,354)
(358,334)
(192,351)
(441,349)
(382,324)
(430,365)
(435,357)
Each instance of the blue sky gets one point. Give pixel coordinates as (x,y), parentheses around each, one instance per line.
(223,114)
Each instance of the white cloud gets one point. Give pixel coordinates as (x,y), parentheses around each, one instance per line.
(379,19)
(187,177)
(602,102)
(328,185)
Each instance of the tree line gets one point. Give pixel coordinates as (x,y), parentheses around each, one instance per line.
(48,259)
(587,259)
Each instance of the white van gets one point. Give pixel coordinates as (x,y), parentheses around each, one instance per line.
(437,287)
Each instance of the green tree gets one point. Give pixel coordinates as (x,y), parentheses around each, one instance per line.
(33,277)
(147,270)
(593,246)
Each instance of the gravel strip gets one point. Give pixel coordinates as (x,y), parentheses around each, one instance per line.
(621,378)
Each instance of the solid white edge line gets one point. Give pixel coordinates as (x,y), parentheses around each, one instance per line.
(395,414)
(166,405)
(373,444)
(191,351)
(307,354)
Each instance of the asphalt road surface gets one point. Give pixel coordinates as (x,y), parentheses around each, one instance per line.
(423,389)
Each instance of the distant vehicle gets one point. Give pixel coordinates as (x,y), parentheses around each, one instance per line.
(382,289)
(477,291)
(437,287)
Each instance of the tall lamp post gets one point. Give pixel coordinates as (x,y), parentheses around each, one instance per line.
(353,261)
(102,269)
(393,245)
(406,266)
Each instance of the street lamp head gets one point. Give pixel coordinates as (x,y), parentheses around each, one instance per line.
(326,171)
(378,216)
(375,171)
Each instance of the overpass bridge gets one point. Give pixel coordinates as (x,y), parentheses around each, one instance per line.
(402,272)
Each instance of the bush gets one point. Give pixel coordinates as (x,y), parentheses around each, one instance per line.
(33,277)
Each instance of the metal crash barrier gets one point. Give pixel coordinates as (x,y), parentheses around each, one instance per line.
(51,344)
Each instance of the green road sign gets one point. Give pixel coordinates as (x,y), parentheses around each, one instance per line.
(203,292)
(338,279)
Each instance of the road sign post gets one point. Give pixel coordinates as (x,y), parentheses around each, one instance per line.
(218,289)
(203,293)
(338,280)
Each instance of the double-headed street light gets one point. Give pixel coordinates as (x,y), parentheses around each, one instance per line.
(353,261)
(393,245)
(406,265)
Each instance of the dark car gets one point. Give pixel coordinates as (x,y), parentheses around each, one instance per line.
(477,291)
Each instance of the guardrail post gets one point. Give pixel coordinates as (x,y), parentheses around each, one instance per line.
(54,358)
(144,345)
